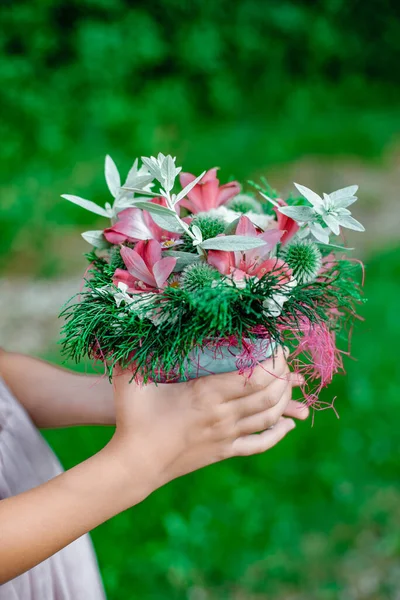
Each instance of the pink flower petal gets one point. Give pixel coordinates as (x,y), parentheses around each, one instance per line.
(245,227)
(271,237)
(136,266)
(151,253)
(113,237)
(211,175)
(163,269)
(209,194)
(121,276)
(228,191)
(131,225)
(186,178)
(221,260)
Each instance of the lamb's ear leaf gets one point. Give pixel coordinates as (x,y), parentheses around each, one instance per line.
(154,208)
(139,181)
(183,259)
(113,178)
(231,243)
(231,227)
(87,204)
(168,170)
(138,190)
(298,213)
(96,239)
(163,216)
(188,188)
(168,222)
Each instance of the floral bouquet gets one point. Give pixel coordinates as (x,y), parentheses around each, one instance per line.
(199,278)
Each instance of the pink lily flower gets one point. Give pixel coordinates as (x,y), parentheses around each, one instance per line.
(287,225)
(251,262)
(135,224)
(207,194)
(146,271)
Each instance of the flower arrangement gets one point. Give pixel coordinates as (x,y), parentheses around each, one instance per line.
(205,278)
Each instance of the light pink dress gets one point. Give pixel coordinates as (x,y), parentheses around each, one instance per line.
(25,462)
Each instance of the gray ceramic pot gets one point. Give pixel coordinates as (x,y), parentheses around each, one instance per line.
(224,359)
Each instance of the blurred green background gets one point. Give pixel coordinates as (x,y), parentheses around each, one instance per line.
(293,90)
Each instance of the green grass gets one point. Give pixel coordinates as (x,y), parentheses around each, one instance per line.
(315,516)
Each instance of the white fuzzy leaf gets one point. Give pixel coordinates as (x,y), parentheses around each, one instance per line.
(298,213)
(96,239)
(168,222)
(133,171)
(309,194)
(87,204)
(183,259)
(169,173)
(232,243)
(320,233)
(153,167)
(271,200)
(140,181)
(112,176)
(197,232)
(139,191)
(154,208)
(231,227)
(350,223)
(188,188)
(346,192)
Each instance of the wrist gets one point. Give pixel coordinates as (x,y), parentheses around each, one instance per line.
(130,476)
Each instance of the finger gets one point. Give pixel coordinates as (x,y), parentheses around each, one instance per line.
(262,400)
(296,379)
(260,442)
(297,410)
(267,418)
(234,385)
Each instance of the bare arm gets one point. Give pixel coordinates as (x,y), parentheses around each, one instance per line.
(57,397)
(162,433)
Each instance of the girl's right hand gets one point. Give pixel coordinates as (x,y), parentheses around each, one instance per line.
(177,428)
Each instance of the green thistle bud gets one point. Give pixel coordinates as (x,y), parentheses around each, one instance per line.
(198,276)
(304,258)
(210,226)
(243,203)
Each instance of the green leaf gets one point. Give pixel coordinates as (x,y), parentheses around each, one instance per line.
(232,243)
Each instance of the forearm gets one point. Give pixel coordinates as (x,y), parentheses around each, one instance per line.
(36,524)
(56,397)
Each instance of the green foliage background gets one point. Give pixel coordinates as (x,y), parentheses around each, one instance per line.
(244,85)
(241,84)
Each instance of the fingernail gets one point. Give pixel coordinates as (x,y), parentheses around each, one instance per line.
(292,425)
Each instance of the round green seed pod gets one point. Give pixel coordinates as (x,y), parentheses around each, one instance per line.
(304,258)
(198,276)
(210,226)
(243,203)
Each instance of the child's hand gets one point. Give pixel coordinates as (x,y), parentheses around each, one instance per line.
(178,428)
(162,433)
